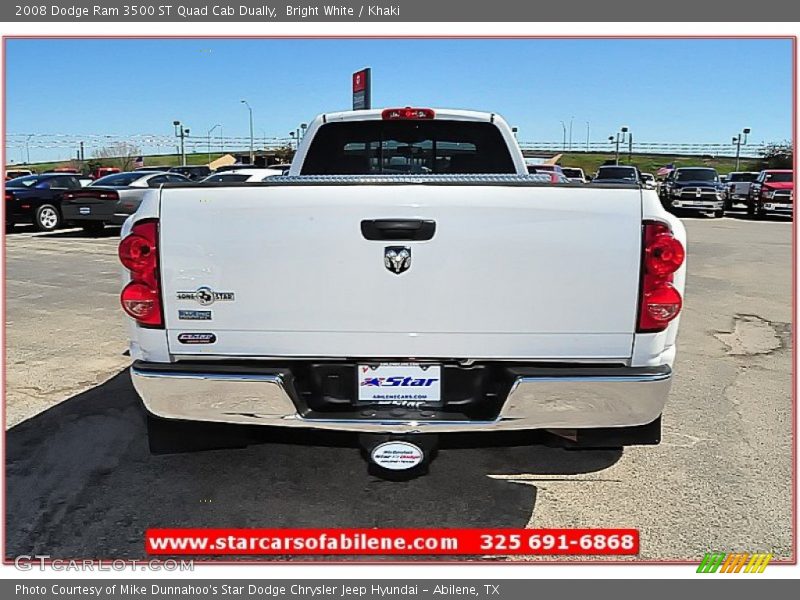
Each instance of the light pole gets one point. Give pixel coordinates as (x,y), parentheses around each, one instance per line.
(738,141)
(210,131)
(291,135)
(252,155)
(587,136)
(623,131)
(181,132)
(630,146)
(571,119)
(221,141)
(28,148)
(303,127)
(564,137)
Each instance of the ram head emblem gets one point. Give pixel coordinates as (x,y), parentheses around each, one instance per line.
(397,258)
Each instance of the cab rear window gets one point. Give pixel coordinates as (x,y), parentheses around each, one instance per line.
(407,147)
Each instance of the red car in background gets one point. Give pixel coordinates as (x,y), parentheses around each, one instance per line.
(772,193)
(554,171)
(103,171)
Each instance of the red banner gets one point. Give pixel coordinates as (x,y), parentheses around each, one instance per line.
(392,541)
(360,80)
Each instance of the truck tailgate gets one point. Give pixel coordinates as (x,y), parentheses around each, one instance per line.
(512,272)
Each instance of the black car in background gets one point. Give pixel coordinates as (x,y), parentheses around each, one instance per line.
(37,199)
(195,173)
(617,174)
(693,189)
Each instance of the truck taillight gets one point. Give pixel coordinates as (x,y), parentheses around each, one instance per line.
(662,255)
(138,252)
(394,114)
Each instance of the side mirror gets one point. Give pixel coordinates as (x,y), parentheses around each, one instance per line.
(588,179)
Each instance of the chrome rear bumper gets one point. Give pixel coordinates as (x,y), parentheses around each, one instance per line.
(629,397)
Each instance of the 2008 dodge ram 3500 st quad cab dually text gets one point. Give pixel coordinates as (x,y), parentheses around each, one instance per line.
(407,278)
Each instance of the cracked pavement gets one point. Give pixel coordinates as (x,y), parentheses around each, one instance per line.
(81,483)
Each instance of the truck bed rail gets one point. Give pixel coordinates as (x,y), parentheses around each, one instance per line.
(534,180)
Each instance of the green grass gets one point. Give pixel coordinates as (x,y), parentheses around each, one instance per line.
(587,162)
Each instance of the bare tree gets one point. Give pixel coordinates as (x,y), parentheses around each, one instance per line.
(284,154)
(778,155)
(120,154)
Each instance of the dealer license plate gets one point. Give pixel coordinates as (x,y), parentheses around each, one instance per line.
(392,382)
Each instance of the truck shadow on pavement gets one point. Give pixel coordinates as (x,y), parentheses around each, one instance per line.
(81,483)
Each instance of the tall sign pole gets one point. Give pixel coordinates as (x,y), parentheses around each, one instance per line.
(362,89)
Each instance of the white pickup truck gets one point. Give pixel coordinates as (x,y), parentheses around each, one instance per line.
(405,278)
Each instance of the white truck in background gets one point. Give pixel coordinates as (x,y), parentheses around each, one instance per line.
(406,279)
(738,187)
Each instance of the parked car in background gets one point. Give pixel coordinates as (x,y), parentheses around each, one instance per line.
(772,193)
(617,174)
(38,199)
(103,171)
(649,181)
(159,168)
(234,167)
(112,199)
(737,187)
(69,170)
(574,174)
(695,189)
(282,168)
(194,172)
(551,177)
(14,173)
(532,169)
(242,176)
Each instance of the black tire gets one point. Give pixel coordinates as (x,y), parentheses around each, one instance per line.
(93,227)
(47,218)
(168,436)
(718,214)
(9,227)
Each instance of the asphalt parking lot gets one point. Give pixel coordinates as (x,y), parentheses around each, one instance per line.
(81,483)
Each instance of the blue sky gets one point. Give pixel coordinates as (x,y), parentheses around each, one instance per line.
(687,91)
